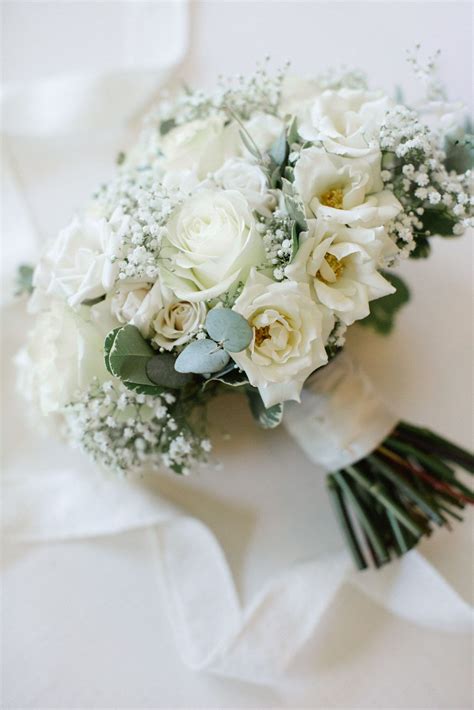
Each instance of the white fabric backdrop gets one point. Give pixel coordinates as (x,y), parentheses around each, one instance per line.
(84,623)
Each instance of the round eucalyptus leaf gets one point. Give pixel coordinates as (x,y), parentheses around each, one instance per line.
(161,371)
(229,328)
(202,357)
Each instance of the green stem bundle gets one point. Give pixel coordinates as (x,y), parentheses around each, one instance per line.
(387,501)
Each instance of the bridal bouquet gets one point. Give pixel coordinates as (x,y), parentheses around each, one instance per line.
(241,237)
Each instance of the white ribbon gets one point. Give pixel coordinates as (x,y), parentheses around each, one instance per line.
(341,418)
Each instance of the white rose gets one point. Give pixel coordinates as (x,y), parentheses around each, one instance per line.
(346,121)
(340,263)
(345,190)
(211,244)
(127,299)
(201,145)
(78,265)
(64,353)
(248,179)
(287,342)
(166,320)
(264,129)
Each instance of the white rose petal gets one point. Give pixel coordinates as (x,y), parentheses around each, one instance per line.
(347,122)
(212,242)
(341,265)
(344,190)
(287,344)
(248,179)
(201,146)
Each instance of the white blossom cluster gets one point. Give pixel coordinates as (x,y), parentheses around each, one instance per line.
(277,199)
(125,431)
(415,172)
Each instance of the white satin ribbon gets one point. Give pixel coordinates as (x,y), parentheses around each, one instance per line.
(341,418)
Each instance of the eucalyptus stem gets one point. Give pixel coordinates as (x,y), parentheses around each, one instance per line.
(344,519)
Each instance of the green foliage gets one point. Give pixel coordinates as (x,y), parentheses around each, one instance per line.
(422,249)
(24,280)
(166,126)
(161,370)
(438,221)
(126,354)
(266,418)
(383,310)
(230,376)
(279,150)
(229,328)
(202,357)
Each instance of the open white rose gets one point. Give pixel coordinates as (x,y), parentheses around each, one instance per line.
(248,179)
(166,320)
(287,342)
(78,265)
(202,145)
(64,353)
(346,121)
(345,190)
(341,263)
(211,244)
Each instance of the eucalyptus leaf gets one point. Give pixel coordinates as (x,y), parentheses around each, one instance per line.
(383,310)
(202,357)
(161,371)
(229,328)
(129,354)
(266,418)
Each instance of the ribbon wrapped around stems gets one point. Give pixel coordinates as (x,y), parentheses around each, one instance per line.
(390,481)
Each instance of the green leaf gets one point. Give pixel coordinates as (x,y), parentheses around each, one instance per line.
(229,328)
(129,354)
(202,357)
(295,242)
(295,211)
(166,126)
(279,150)
(383,310)
(24,280)
(109,341)
(266,418)
(144,389)
(293,135)
(439,222)
(230,376)
(250,145)
(422,249)
(161,371)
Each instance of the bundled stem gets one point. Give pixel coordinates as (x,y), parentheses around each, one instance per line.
(393,497)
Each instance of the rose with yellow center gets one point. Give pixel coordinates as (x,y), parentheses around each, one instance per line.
(341,266)
(345,190)
(288,341)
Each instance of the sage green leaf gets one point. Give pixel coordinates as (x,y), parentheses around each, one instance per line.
(144,389)
(383,310)
(293,135)
(229,328)
(250,145)
(161,371)
(266,418)
(295,242)
(279,150)
(24,280)
(166,126)
(202,357)
(295,211)
(129,354)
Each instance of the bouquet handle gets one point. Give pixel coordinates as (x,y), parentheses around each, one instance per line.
(391,483)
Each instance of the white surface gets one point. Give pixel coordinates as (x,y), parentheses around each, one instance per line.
(84,624)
